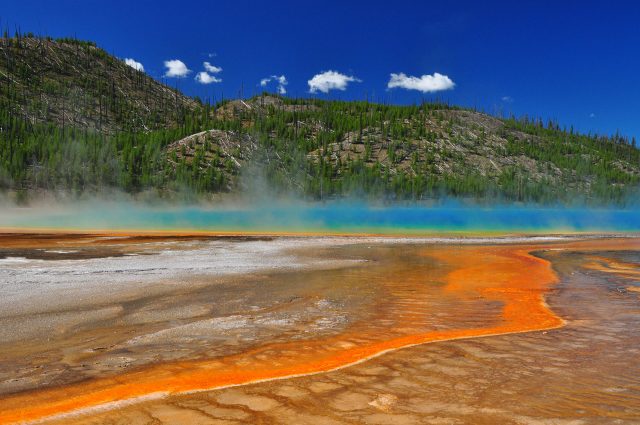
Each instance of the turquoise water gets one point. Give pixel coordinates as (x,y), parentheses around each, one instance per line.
(338,218)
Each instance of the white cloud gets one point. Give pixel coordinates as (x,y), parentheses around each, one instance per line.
(134,64)
(176,68)
(425,84)
(281,80)
(507,99)
(330,80)
(206,78)
(211,68)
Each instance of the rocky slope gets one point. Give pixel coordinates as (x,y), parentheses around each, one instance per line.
(440,149)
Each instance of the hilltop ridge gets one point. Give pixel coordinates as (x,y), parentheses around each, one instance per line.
(69,82)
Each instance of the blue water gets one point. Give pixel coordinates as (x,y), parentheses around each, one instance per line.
(339,218)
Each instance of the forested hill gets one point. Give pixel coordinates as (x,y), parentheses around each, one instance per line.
(75,120)
(69,82)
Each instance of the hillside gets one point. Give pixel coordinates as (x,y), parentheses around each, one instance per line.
(76,120)
(74,83)
(334,149)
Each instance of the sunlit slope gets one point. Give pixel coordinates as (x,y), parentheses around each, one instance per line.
(74,84)
(329,149)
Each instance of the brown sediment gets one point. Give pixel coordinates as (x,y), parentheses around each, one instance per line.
(623,269)
(509,276)
(61,239)
(52,232)
(610,265)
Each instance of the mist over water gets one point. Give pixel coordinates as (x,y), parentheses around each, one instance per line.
(315,218)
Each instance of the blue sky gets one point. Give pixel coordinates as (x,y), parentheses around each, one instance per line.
(574,61)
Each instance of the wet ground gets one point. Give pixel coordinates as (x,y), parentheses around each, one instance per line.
(327,299)
(78,307)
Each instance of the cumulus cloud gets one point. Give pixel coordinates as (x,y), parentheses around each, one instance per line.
(134,64)
(425,83)
(176,68)
(211,68)
(330,80)
(206,78)
(280,80)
